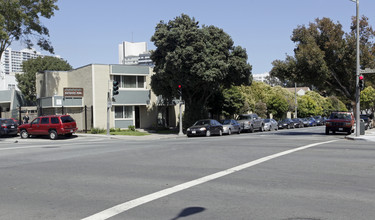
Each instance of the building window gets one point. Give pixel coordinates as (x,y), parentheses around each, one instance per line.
(11,86)
(130,82)
(124,112)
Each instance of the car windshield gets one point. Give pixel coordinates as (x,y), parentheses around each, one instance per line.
(344,116)
(285,120)
(244,117)
(202,122)
(267,120)
(67,119)
(225,122)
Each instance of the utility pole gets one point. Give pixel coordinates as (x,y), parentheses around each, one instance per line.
(357,90)
(109,105)
(295,100)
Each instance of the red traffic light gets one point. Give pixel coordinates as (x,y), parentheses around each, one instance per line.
(361,77)
(179,86)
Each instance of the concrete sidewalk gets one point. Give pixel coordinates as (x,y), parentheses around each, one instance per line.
(369,136)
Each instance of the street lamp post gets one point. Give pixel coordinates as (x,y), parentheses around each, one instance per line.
(357,90)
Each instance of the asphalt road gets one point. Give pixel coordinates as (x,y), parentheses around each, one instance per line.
(297,174)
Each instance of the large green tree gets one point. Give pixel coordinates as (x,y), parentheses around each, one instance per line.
(20,21)
(201,59)
(325,57)
(26,80)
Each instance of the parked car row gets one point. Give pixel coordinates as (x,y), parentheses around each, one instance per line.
(51,125)
(248,123)
(301,122)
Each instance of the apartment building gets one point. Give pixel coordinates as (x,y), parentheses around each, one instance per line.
(83,93)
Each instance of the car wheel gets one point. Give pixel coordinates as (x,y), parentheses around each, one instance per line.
(327,131)
(229,131)
(270,129)
(221,132)
(239,131)
(262,128)
(208,133)
(24,134)
(53,135)
(251,129)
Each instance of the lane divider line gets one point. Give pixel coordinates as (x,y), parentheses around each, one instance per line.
(115,210)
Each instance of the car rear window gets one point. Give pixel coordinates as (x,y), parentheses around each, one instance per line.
(7,121)
(67,119)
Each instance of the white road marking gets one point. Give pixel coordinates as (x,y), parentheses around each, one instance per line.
(110,212)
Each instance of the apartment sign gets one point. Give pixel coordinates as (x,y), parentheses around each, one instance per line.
(73,92)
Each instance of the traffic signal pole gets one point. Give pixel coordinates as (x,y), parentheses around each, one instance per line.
(357,91)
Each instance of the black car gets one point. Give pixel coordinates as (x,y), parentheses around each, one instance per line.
(286,123)
(8,127)
(206,127)
(298,123)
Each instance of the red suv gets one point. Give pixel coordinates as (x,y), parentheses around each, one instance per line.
(340,121)
(51,125)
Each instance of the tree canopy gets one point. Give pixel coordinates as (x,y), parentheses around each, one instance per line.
(26,80)
(325,57)
(20,21)
(201,59)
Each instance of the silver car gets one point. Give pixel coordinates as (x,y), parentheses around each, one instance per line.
(270,124)
(230,126)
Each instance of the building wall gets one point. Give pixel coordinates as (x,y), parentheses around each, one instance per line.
(100,86)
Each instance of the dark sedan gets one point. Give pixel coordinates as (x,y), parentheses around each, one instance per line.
(206,127)
(286,123)
(8,127)
(298,123)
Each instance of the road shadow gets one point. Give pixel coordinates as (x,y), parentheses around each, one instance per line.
(189,211)
(46,137)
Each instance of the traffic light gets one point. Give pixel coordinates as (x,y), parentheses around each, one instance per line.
(361,82)
(179,90)
(115,88)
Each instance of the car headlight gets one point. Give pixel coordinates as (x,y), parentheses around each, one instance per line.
(202,129)
(188,129)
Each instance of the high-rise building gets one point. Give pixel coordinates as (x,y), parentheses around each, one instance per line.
(11,63)
(134,53)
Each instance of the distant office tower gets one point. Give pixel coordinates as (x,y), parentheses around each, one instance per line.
(134,53)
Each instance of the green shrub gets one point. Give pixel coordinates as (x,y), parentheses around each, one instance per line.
(97,130)
(131,127)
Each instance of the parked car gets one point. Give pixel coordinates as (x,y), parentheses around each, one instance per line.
(340,121)
(306,122)
(205,127)
(319,120)
(298,123)
(8,127)
(312,121)
(250,122)
(230,126)
(286,123)
(51,125)
(16,121)
(270,124)
(367,121)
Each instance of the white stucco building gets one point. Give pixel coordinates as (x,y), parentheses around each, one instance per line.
(133,53)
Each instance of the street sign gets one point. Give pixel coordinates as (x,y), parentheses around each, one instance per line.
(367,70)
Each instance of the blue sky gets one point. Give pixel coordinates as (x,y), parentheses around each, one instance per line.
(89,31)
